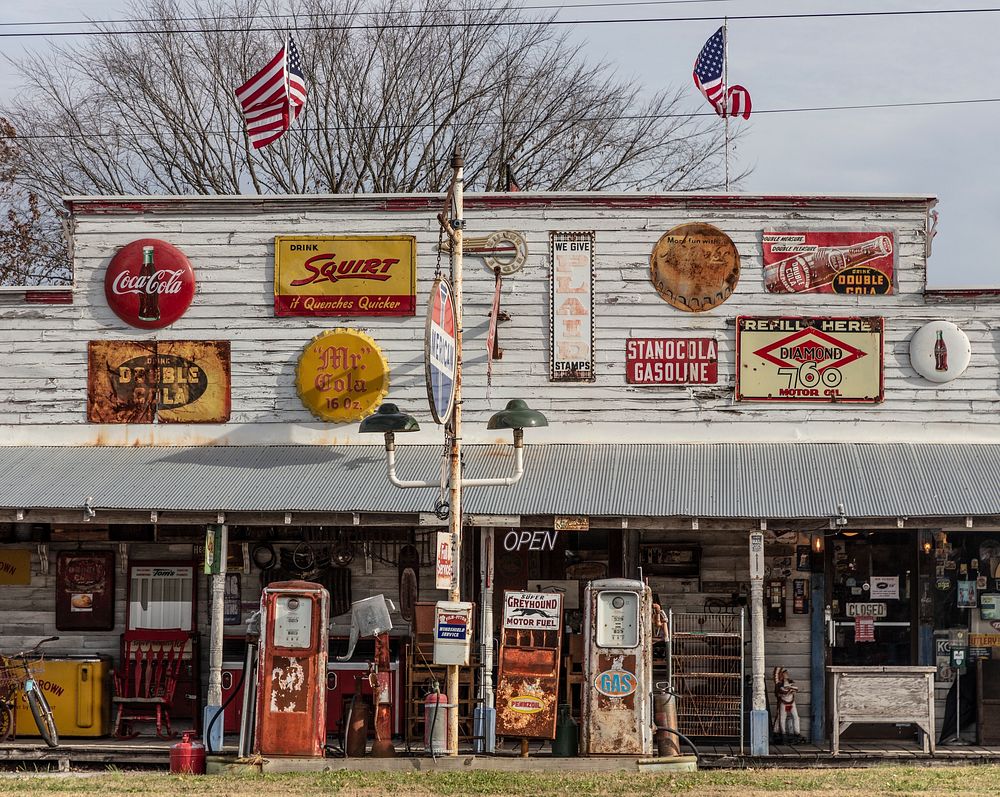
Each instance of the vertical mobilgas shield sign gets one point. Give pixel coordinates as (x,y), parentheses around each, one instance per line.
(440,350)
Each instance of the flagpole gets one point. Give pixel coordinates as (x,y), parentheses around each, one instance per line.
(725,89)
(288,91)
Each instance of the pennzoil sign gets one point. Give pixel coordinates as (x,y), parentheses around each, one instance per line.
(345,275)
(809,359)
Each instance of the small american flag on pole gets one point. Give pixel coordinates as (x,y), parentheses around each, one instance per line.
(272,99)
(709,77)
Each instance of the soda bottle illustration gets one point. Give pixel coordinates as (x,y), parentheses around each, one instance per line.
(808,271)
(149,299)
(940,353)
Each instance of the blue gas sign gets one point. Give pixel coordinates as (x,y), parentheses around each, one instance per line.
(616,683)
(440,350)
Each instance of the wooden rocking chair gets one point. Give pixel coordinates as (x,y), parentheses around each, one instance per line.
(145,682)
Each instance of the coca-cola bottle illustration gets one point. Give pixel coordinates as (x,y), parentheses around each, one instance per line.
(149,299)
(940,353)
(808,271)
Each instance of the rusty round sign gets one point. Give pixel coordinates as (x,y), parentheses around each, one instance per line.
(694,267)
(342,376)
(149,283)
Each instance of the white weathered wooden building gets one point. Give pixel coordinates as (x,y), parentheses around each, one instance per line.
(672,478)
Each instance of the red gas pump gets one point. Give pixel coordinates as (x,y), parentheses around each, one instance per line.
(291,701)
(370,618)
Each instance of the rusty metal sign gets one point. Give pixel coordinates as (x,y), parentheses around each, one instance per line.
(694,267)
(345,275)
(671,361)
(179,381)
(504,250)
(528,681)
(809,359)
(532,611)
(342,376)
(852,263)
(571,324)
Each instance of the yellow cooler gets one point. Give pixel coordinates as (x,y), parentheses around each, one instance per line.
(78,689)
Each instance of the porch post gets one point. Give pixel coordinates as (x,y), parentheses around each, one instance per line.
(485,714)
(758,712)
(214,736)
(817,644)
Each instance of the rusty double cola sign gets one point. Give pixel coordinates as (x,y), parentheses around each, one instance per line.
(345,275)
(182,381)
(149,283)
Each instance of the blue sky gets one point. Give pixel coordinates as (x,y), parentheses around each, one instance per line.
(945,151)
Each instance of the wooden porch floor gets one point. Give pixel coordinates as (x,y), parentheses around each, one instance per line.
(149,752)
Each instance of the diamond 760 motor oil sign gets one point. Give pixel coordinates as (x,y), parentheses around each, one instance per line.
(809,359)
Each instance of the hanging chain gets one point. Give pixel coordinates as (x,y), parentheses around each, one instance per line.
(437,266)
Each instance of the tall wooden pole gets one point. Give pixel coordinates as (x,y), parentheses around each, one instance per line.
(455,498)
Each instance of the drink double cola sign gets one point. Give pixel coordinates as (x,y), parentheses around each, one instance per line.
(149,283)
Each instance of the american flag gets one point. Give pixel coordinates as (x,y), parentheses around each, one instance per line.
(272,99)
(709,68)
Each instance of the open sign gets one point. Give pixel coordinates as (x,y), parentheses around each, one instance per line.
(866,610)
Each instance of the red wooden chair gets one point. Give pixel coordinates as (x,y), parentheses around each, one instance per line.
(145,682)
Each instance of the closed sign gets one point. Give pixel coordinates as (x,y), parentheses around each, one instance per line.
(866,610)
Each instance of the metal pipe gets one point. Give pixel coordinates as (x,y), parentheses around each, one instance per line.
(455,497)
(390,465)
(501,481)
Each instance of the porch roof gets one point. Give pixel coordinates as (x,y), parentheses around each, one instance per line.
(730,480)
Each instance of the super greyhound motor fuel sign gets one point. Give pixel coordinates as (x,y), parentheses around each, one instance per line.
(532,611)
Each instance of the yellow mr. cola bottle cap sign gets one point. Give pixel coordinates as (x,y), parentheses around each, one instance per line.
(342,376)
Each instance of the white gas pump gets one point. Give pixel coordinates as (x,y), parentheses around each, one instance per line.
(617,687)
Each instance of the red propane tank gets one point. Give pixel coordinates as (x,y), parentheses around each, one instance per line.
(188,756)
(436,723)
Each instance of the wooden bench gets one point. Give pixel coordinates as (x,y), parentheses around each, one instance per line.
(144,684)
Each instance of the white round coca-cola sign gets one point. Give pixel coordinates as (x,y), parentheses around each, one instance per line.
(149,283)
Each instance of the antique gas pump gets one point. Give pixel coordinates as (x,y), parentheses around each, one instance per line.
(370,618)
(291,702)
(617,682)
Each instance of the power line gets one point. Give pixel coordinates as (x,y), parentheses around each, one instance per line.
(387,12)
(511,23)
(627,117)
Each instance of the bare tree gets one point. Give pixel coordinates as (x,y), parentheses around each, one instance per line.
(32,244)
(392,87)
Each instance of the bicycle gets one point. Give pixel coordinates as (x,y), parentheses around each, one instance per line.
(16,676)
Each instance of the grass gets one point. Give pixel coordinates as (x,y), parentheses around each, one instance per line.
(874,782)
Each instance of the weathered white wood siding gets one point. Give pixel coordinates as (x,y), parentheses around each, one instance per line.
(43,348)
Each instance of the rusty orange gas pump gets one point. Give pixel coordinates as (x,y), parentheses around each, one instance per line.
(291,701)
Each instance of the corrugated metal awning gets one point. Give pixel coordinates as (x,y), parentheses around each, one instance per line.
(733,480)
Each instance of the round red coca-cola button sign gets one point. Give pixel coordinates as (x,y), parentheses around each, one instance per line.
(149,283)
